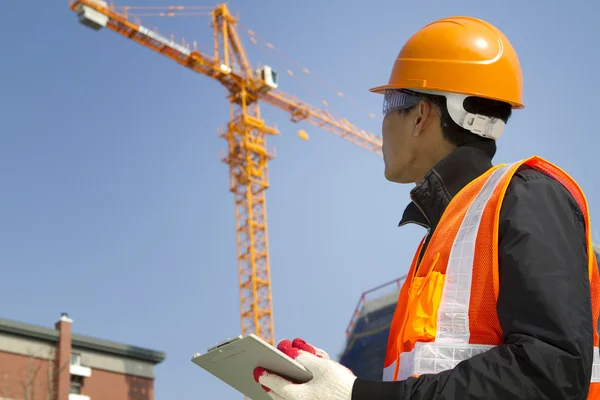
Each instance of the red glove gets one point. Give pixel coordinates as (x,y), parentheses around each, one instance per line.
(331,380)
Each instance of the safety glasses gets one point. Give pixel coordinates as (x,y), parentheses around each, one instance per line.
(394,99)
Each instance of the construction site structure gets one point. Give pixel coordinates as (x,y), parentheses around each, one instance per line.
(246,133)
(368,330)
(369,327)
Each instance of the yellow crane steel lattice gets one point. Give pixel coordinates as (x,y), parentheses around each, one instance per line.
(246,133)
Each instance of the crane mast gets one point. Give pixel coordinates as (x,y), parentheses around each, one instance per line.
(247,157)
(246,135)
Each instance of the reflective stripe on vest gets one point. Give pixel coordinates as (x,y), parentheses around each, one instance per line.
(432,358)
(449,341)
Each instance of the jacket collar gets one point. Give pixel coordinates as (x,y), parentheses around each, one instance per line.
(432,195)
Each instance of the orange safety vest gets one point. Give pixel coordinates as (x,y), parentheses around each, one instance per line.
(446,310)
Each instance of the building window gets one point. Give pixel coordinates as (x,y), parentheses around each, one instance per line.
(76,384)
(75,359)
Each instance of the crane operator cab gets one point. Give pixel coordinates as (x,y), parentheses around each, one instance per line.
(269,78)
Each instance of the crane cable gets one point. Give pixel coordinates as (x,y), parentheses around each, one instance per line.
(307,87)
(254,38)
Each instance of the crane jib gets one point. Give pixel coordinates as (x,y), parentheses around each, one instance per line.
(163,40)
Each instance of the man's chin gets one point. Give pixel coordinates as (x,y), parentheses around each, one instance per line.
(391,176)
(396,176)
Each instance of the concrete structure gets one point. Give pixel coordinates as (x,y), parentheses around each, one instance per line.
(38,363)
(367,333)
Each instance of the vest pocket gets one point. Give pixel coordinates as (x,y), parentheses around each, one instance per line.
(424,301)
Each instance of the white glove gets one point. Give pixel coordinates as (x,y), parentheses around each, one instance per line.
(331,380)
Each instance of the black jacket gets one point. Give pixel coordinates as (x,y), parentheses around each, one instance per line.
(544,304)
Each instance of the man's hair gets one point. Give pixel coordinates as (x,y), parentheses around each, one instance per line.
(458,135)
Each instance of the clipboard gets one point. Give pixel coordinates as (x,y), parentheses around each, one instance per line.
(233,362)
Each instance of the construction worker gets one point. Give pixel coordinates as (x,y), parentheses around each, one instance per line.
(502,298)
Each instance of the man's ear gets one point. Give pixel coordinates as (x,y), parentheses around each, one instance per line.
(420,117)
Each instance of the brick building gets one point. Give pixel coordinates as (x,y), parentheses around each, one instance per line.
(39,363)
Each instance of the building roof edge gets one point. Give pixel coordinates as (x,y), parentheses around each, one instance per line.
(81,341)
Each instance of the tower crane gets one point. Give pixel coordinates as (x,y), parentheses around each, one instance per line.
(246,134)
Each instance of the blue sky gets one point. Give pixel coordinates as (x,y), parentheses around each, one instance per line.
(116,209)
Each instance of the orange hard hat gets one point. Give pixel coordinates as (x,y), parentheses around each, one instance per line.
(459,55)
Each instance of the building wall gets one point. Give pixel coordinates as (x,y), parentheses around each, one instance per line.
(25,377)
(20,373)
(107,385)
(110,363)
(26,347)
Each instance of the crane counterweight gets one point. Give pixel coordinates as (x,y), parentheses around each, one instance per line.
(90,17)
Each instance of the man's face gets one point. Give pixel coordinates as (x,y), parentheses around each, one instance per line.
(400,144)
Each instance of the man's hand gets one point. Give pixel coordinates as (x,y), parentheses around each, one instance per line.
(331,380)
